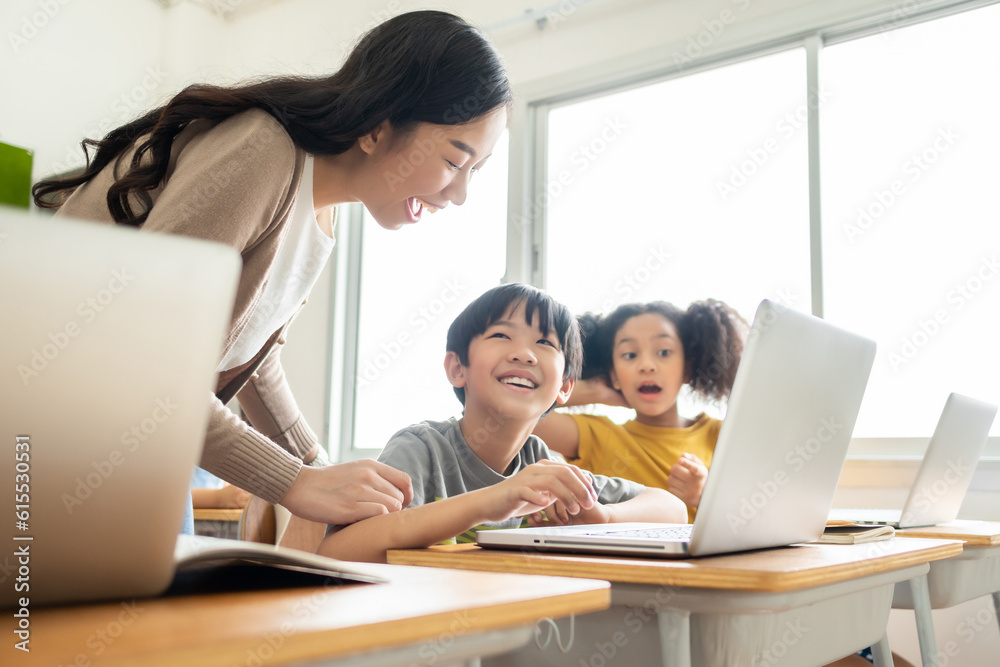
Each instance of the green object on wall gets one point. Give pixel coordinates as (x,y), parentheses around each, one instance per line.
(15,175)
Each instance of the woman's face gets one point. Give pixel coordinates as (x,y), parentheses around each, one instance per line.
(649,366)
(428,168)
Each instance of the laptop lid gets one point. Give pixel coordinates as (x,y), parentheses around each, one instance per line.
(946,470)
(110,343)
(784,440)
(780,450)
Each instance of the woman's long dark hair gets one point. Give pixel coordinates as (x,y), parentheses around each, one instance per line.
(712,335)
(424,66)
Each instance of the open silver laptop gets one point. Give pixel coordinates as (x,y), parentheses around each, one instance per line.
(945,472)
(110,342)
(779,455)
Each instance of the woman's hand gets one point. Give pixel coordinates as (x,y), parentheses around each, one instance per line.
(348,492)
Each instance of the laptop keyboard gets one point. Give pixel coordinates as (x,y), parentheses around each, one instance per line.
(667,533)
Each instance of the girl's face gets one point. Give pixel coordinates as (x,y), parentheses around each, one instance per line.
(649,368)
(427,168)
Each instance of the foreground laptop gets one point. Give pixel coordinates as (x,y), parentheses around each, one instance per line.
(110,338)
(945,472)
(779,455)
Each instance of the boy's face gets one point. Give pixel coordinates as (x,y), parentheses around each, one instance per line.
(514,369)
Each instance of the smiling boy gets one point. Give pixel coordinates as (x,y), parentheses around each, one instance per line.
(512,355)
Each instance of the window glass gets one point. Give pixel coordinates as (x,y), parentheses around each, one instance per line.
(414,282)
(909,141)
(683,190)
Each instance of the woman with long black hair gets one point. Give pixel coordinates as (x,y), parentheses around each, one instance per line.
(415,110)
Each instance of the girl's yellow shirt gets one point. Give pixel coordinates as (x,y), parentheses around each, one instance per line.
(642,453)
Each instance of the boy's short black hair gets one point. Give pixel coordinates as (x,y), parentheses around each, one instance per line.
(494,304)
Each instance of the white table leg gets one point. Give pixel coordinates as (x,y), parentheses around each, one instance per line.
(996,605)
(882,653)
(925,624)
(675,637)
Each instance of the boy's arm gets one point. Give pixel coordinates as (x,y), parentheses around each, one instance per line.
(537,486)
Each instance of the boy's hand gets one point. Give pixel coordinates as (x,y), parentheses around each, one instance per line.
(538,486)
(557,515)
(687,479)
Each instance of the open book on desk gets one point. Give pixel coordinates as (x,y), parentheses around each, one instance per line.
(854,533)
(213,565)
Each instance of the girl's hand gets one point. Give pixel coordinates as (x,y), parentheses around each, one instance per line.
(557,515)
(539,486)
(596,390)
(687,479)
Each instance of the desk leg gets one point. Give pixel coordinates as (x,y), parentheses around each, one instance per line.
(882,653)
(996,605)
(925,624)
(675,637)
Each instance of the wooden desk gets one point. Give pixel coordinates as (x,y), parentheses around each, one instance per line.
(223,523)
(972,574)
(420,613)
(809,603)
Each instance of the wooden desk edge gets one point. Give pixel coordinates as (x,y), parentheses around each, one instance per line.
(985,539)
(204,514)
(311,642)
(702,577)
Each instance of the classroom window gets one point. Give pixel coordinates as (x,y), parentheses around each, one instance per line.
(414,282)
(697,187)
(686,189)
(909,142)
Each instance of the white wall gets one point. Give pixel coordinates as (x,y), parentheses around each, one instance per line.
(75,68)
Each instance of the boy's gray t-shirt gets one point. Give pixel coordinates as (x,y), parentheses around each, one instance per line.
(441,464)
